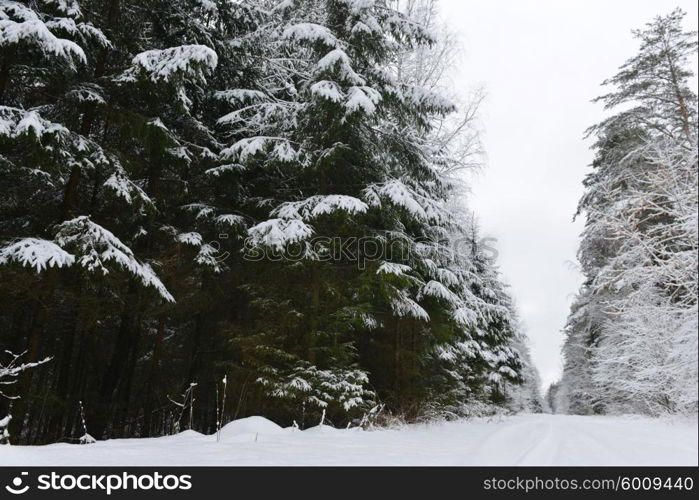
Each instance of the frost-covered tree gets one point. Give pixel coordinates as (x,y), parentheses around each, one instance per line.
(631,337)
(262,189)
(318,130)
(455,137)
(337,141)
(85,112)
(525,396)
(9,372)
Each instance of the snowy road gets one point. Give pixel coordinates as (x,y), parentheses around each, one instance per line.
(518,440)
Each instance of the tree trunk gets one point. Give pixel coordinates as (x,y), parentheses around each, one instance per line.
(7,56)
(397,360)
(118,361)
(151,384)
(684,112)
(315,313)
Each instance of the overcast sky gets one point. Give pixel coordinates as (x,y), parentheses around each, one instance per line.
(541,62)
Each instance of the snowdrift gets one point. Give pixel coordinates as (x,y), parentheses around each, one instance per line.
(249,425)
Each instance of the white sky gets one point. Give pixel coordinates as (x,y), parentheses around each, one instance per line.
(541,62)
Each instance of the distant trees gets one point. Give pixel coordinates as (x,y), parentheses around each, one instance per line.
(175,177)
(631,341)
(525,396)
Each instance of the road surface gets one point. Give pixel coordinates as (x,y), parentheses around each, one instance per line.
(516,440)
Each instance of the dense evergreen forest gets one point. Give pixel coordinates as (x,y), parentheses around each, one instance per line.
(631,337)
(212,208)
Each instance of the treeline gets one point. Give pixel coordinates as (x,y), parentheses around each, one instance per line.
(631,344)
(257,189)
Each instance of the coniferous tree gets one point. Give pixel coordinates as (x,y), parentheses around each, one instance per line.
(631,337)
(180,181)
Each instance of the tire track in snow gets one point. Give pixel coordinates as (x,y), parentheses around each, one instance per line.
(545,451)
(526,441)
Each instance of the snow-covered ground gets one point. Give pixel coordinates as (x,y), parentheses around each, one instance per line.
(517,440)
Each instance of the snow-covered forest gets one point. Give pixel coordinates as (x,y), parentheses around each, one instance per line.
(631,337)
(267,192)
(220,209)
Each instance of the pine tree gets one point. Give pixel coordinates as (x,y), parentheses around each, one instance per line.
(632,334)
